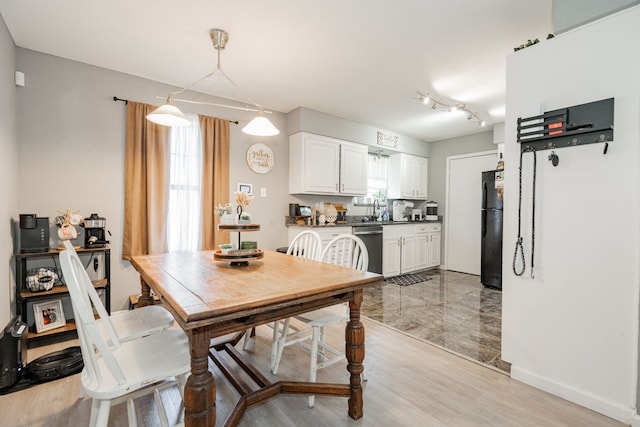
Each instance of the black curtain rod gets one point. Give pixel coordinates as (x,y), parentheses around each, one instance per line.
(126,101)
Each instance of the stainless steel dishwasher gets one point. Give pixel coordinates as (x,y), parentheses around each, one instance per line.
(371,235)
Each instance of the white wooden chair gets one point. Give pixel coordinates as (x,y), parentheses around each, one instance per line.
(346,250)
(126,324)
(307,244)
(122,371)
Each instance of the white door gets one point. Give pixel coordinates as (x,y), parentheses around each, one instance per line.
(464,196)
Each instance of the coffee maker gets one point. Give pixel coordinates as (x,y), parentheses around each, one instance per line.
(94,232)
(34,233)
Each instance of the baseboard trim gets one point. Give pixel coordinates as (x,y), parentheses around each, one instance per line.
(596,403)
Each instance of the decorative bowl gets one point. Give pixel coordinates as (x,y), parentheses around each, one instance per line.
(331,218)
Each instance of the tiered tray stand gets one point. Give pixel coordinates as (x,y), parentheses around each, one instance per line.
(240,257)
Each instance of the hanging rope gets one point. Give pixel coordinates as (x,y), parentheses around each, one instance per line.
(519,248)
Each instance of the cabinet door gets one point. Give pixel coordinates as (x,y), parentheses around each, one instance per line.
(434,249)
(421,165)
(422,251)
(391,256)
(313,164)
(353,169)
(408,177)
(408,254)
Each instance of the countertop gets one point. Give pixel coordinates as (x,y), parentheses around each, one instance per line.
(364,223)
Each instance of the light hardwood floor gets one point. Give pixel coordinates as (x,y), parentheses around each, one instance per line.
(410,383)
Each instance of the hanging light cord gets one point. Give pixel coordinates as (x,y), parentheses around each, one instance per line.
(217,70)
(519,247)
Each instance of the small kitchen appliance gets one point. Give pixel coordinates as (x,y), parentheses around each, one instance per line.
(13,352)
(431,211)
(34,233)
(416,214)
(400,210)
(94,231)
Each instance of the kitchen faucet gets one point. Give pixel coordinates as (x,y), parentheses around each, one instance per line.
(376,208)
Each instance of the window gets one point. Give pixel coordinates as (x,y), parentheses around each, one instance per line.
(185,183)
(377,174)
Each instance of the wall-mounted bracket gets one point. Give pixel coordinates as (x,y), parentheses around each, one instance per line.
(578,125)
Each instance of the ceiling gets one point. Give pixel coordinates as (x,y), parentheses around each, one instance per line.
(362,60)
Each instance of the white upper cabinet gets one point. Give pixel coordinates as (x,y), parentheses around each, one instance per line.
(323,165)
(407,177)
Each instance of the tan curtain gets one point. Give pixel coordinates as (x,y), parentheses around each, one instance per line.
(146,181)
(215,178)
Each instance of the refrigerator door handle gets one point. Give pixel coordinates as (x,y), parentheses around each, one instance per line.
(484,223)
(484,195)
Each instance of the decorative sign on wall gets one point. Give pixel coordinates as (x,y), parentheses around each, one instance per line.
(260,158)
(387,140)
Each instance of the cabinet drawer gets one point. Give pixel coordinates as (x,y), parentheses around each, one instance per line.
(427,228)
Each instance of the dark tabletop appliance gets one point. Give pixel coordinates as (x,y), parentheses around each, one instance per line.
(94,231)
(34,233)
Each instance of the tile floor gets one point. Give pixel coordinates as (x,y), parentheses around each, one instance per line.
(452,310)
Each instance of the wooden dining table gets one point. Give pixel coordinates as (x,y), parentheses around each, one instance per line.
(210,299)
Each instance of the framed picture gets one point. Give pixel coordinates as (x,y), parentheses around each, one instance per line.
(247,188)
(260,158)
(48,315)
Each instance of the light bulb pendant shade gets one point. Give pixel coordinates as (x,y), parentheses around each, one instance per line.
(260,126)
(168,115)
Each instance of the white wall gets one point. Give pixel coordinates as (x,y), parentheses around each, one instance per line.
(8,171)
(568,14)
(573,330)
(71,151)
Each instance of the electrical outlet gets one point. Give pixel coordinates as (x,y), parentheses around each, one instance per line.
(95,264)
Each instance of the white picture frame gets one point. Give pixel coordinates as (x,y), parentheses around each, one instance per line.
(247,188)
(48,315)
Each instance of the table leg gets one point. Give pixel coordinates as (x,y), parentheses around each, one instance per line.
(200,390)
(354,337)
(145,297)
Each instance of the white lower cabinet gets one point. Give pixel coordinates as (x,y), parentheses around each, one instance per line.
(428,245)
(408,261)
(410,247)
(422,251)
(434,249)
(390,255)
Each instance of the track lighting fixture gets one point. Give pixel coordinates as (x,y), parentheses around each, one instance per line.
(426,98)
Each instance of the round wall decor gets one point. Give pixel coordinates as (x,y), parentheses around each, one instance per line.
(260,158)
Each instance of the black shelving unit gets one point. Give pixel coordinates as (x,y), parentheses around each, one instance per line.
(25,298)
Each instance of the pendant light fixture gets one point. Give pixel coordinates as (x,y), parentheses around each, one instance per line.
(170,115)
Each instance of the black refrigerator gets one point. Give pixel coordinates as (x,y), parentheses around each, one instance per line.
(491,246)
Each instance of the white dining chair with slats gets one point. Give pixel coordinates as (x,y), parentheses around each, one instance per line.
(346,250)
(118,371)
(307,244)
(127,325)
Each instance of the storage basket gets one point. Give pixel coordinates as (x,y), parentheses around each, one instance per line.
(42,278)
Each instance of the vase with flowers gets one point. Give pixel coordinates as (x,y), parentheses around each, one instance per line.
(243,199)
(225,213)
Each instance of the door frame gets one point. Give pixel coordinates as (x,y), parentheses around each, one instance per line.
(449,159)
